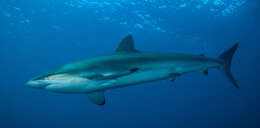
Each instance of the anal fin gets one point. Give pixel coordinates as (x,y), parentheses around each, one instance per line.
(206,72)
(172,79)
(173,76)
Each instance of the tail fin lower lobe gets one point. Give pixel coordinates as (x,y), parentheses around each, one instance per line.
(227,58)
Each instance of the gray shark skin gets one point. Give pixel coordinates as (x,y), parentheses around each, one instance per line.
(127,66)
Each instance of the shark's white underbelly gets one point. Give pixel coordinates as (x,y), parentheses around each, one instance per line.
(68,84)
(72,84)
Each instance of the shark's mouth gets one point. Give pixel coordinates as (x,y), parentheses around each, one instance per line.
(44,86)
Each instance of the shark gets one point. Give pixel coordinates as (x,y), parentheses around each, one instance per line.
(125,67)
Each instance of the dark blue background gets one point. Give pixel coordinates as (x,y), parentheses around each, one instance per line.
(194,100)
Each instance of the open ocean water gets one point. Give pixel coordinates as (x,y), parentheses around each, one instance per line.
(39,35)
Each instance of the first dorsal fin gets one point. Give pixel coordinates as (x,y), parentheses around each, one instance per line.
(126,45)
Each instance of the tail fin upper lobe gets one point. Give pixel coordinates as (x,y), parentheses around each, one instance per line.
(227,58)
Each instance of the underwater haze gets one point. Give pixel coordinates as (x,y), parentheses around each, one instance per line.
(37,36)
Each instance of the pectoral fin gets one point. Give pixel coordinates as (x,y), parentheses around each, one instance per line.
(97,98)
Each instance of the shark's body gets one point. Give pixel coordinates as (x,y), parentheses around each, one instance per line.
(125,67)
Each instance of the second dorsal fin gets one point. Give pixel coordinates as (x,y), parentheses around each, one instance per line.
(126,45)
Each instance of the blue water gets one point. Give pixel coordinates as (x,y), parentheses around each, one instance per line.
(37,36)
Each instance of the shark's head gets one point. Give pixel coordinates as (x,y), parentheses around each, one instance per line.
(48,79)
(39,82)
(58,82)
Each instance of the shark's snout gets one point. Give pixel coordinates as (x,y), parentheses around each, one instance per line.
(36,84)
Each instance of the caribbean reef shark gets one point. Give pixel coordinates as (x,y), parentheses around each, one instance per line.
(127,66)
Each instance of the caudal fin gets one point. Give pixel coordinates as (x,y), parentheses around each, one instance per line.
(227,58)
